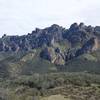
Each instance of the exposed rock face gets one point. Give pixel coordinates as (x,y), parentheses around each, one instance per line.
(79,34)
(36,39)
(90,46)
(47,54)
(54,56)
(82,38)
(97,30)
(59,60)
(76,34)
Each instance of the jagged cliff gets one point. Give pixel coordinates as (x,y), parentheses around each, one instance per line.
(58,44)
(76,34)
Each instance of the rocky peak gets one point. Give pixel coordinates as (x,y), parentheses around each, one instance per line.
(74,27)
(76,34)
(82,26)
(55,26)
(97,30)
(90,29)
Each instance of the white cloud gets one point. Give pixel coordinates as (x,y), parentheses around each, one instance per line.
(22,16)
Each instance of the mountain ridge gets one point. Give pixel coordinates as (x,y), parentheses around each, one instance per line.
(81,38)
(53,49)
(75,34)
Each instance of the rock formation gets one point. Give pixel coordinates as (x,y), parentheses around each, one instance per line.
(83,39)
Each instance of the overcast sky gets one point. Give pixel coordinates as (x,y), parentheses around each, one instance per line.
(23,16)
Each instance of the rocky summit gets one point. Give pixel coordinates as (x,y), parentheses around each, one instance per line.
(57,44)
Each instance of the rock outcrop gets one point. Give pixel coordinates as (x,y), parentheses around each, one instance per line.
(90,46)
(83,39)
